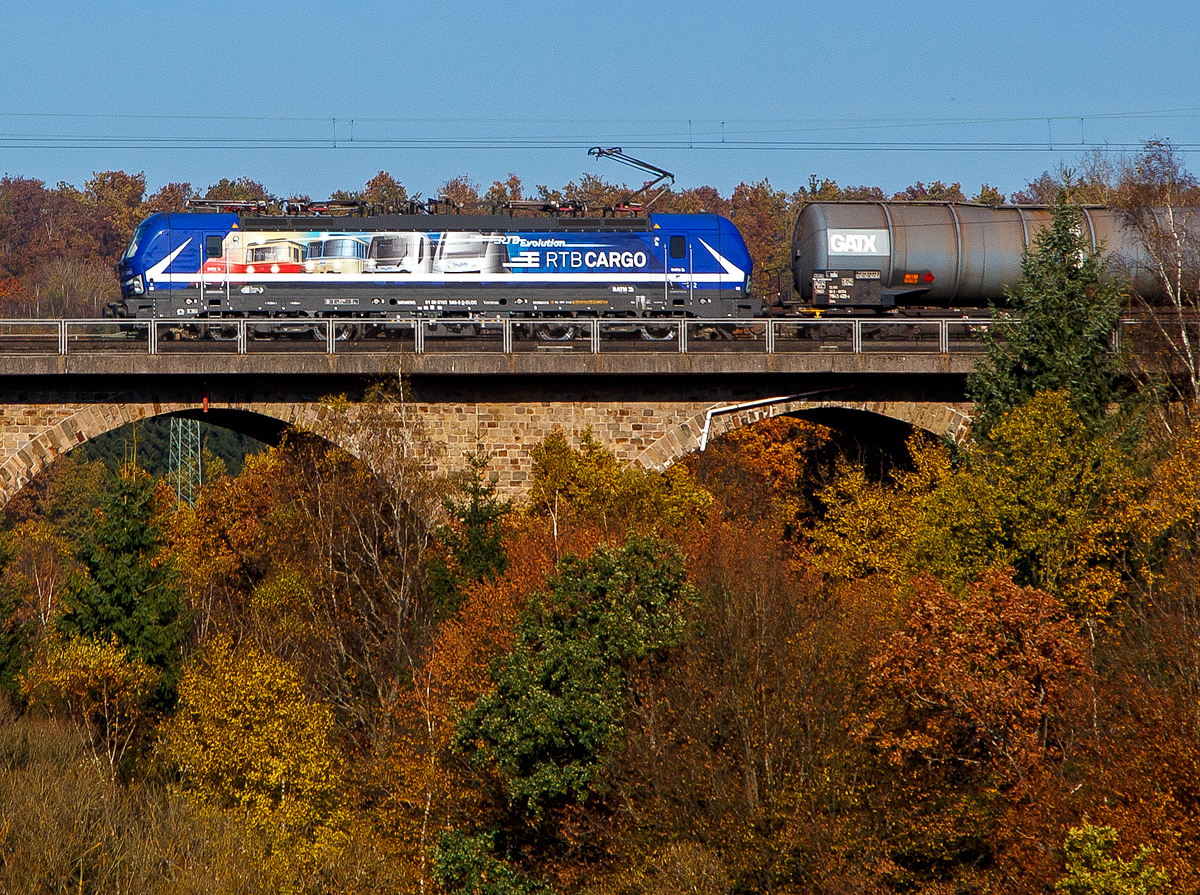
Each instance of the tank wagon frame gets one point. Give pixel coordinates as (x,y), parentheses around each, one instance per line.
(884,255)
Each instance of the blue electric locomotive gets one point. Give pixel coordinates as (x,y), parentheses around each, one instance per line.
(204,266)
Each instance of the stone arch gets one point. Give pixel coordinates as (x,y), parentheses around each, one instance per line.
(942,420)
(48,431)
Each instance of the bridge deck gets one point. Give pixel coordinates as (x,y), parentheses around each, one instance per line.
(481,364)
(480,347)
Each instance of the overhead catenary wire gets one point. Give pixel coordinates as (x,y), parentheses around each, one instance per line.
(13,142)
(750,134)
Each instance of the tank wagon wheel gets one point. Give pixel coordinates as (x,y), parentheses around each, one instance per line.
(717,332)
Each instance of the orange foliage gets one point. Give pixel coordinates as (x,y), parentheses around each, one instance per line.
(764,471)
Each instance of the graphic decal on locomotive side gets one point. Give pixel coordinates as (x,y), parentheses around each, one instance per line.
(433,257)
(219,265)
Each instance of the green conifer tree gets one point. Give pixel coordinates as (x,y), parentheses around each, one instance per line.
(130,590)
(1059,338)
(475,540)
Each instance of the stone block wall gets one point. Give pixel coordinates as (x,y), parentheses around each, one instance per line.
(652,433)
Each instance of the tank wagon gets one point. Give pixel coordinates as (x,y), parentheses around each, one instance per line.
(227,265)
(859,255)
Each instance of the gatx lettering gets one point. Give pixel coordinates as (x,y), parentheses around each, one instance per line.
(852,244)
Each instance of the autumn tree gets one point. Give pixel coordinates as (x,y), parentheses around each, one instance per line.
(243,189)
(64,495)
(1045,495)
(1059,334)
(975,702)
(462,193)
(38,225)
(500,192)
(988,195)
(827,190)
(589,485)
(1093,868)
(760,213)
(933,192)
(1091,180)
(117,200)
(1157,199)
(169,197)
(69,287)
(384,191)
(768,471)
(98,685)
(695,200)
(247,739)
(321,557)
(869,526)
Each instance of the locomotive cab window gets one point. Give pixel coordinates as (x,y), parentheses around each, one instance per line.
(213,246)
(678,247)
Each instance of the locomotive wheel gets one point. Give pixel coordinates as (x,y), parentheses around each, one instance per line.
(342,332)
(657,332)
(459,329)
(220,333)
(558,332)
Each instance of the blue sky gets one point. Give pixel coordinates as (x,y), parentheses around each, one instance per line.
(309,97)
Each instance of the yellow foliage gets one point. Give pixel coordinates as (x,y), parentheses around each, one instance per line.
(42,557)
(281,610)
(1173,503)
(246,738)
(589,485)
(869,527)
(94,683)
(1045,496)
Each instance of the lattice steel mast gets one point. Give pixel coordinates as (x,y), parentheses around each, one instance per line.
(183,462)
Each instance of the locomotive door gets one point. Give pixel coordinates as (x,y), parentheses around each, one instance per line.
(215,280)
(678,272)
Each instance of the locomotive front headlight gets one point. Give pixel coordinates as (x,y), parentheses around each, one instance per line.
(136,285)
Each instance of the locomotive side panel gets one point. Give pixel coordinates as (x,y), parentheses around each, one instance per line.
(217,265)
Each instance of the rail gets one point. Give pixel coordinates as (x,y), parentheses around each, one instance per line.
(344,335)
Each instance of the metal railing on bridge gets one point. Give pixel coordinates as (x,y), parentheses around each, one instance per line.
(346,335)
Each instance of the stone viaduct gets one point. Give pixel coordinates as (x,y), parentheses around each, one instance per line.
(649,408)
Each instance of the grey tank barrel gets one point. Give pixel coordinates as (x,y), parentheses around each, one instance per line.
(941,254)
